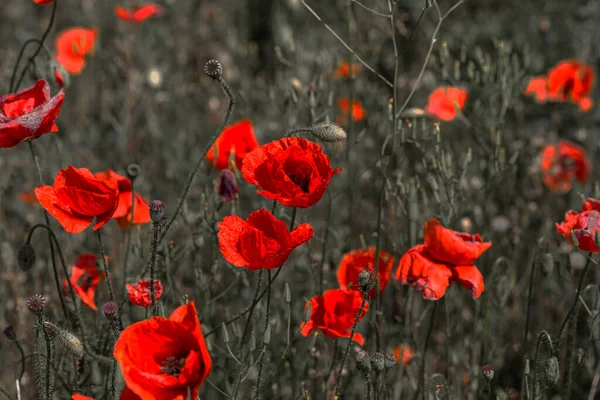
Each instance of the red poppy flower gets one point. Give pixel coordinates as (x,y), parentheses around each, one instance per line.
(444,102)
(358,112)
(127,394)
(260,242)
(122,214)
(293,171)
(85,278)
(563,163)
(161,358)
(140,14)
(334,313)
(406,355)
(77,396)
(354,262)
(140,293)
(584,225)
(343,71)
(77,197)
(446,257)
(43,3)
(238,138)
(73,46)
(538,87)
(28,114)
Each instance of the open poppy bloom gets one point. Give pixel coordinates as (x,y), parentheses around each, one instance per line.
(140,293)
(161,358)
(28,114)
(584,225)
(85,278)
(343,71)
(140,14)
(358,112)
(563,163)
(73,46)
(568,81)
(293,171)
(405,355)
(446,257)
(334,313)
(122,214)
(237,138)
(77,396)
(77,198)
(261,241)
(444,102)
(354,262)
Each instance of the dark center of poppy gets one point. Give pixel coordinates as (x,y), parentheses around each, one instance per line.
(302,181)
(172,366)
(85,281)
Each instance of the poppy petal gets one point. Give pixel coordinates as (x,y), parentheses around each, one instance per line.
(470,278)
(418,269)
(73,223)
(452,247)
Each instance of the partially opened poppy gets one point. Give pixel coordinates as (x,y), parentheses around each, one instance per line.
(85,278)
(563,163)
(406,355)
(343,71)
(261,241)
(141,210)
(162,358)
(227,186)
(28,114)
(445,101)
(73,46)
(77,197)
(237,138)
(140,14)
(293,171)
(354,262)
(140,293)
(358,112)
(333,313)
(446,257)
(583,225)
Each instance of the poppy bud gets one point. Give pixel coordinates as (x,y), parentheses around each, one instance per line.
(10,333)
(363,362)
(224,332)
(70,342)
(132,170)
(378,362)
(488,372)
(36,303)
(227,186)
(390,360)
(26,257)
(110,309)
(213,69)
(287,295)
(157,210)
(330,133)
(551,371)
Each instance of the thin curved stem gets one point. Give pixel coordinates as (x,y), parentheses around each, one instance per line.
(579,288)
(425,348)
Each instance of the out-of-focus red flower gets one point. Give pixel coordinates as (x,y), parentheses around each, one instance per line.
(77,396)
(238,138)
(446,257)
(139,14)
(28,198)
(122,214)
(563,163)
(293,171)
(406,355)
(343,71)
(140,293)
(77,197)
(334,313)
(358,112)
(261,241)
(28,114)
(568,81)
(73,46)
(354,262)
(161,358)
(584,225)
(227,186)
(444,102)
(43,3)
(85,278)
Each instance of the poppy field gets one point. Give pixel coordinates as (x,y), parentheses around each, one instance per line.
(299,199)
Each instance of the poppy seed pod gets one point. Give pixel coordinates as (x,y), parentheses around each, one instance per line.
(132,171)
(390,360)
(363,362)
(36,303)
(488,372)
(552,371)
(110,309)
(26,257)
(157,210)
(330,133)
(378,362)
(213,69)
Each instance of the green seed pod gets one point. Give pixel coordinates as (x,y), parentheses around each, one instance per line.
(378,361)
(363,362)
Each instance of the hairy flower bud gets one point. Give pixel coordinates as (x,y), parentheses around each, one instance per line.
(26,257)
(36,303)
(69,341)
(328,132)
(213,69)
(364,280)
(157,210)
(552,371)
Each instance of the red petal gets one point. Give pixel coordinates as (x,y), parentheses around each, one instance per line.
(73,223)
(418,269)
(147,11)
(451,246)
(470,278)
